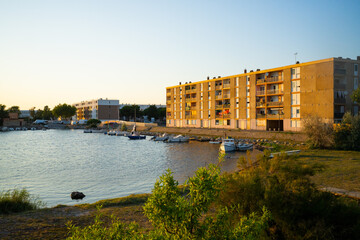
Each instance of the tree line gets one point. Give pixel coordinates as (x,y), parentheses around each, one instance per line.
(129,111)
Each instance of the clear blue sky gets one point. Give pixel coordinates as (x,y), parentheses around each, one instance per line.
(67,51)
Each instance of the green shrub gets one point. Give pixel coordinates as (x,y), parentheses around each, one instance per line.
(16,200)
(347,133)
(92,123)
(123,127)
(299,210)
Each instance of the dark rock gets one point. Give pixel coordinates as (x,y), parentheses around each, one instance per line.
(77,195)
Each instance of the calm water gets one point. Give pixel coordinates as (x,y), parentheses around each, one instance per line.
(51,164)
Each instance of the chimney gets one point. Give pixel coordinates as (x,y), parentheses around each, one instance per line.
(179,83)
(258,69)
(245,71)
(208,78)
(251,70)
(297,62)
(219,76)
(214,77)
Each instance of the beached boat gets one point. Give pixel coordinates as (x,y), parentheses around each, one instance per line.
(178,139)
(244,146)
(163,137)
(228,145)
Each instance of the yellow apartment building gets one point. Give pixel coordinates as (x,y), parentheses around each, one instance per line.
(273,99)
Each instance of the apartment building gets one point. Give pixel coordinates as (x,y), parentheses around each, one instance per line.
(102,109)
(273,99)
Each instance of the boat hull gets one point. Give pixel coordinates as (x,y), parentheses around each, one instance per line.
(136,137)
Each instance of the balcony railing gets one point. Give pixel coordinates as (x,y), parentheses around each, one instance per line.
(187,99)
(187,108)
(274,79)
(168,101)
(168,94)
(274,104)
(218,106)
(193,99)
(226,105)
(260,92)
(227,85)
(226,96)
(275,91)
(260,104)
(223,115)
(277,116)
(218,96)
(218,87)
(192,116)
(168,109)
(338,115)
(260,115)
(258,81)
(340,100)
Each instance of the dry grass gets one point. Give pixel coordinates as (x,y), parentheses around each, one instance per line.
(342,168)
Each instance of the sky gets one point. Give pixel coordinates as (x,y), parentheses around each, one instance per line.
(54,52)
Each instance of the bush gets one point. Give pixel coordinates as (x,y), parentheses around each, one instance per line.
(92,123)
(299,210)
(347,133)
(16,200)
(319,133)
(123,127)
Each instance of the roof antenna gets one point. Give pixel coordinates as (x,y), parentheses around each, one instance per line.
(295,56)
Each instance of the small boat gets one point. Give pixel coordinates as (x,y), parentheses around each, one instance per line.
(111,133)
(162,137)
(33,129)
(228,145)
(134,135)
(87,131)
(292,152)
(244,146)
(178,139)
(215,142)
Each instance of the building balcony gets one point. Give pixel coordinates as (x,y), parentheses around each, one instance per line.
(193,99)
(260,81)
(223,115)
(191,116)
(338,115)
(218,106)
(274,104)
(218,96)
(226,85)
(168,93)
(274,79)
(187,99)
(168,109)
(276,116)
(168,101)
(275,91)
(260,115)
(226,96)
(226,105)
(218,87)
(260,104)
(260,92)
(340,100)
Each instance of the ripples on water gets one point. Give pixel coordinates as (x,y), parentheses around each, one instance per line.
(53,163)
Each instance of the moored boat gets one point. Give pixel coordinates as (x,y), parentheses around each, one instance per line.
(178,139)
(244,146)
(228,145)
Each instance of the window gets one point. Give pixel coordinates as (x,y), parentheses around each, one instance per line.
(356,72)
(295,73)
(356,83)
(295,99)
(295,86)
(237,92)
(295,112)
(237,113)
(247,113)
(295,123)
(237,81)
(247,80)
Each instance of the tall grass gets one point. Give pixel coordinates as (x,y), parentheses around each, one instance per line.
(16,200)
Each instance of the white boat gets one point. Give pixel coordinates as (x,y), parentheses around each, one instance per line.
(292,152)
(244,146)
(214,142)
(228,145)
(178,139)
(87,131)
(162,137)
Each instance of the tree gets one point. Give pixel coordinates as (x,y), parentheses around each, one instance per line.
(3,113)
(151,112)
(47,114)
(92,123)
(355,96)
(32,112)
(129,111)
(161,113)
(64,111)
(15,109)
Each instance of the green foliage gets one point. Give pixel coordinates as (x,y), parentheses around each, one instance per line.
(47,113)
(319,133)
(18,201)
(347,133)
(182,213)
(355,96)
(299,210)
(14,109)
(64,111)
(151,112)
(92,123)
(178,216)
(3,113)
(123,127)
(129,111)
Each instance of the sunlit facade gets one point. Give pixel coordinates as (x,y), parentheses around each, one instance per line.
(273,99)
(102,109)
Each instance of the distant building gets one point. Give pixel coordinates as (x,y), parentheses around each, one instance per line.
(272,99)
(102,109)
(13,121)
(142,106)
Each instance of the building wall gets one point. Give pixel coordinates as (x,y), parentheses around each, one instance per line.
(265,100)
(102,109)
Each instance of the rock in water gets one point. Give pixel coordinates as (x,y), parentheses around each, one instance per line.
(77,195)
